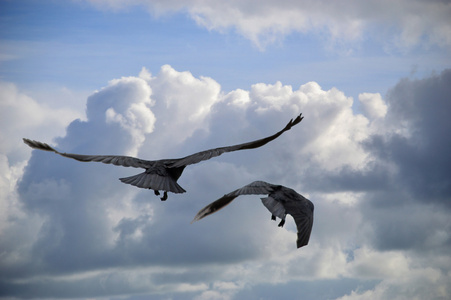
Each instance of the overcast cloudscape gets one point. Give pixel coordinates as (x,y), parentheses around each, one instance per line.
(162,79)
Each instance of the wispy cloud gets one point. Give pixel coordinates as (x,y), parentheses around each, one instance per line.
(400,24)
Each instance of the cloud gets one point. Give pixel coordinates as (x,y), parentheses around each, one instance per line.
(409,212)
(21,115)
(77,231)
(134,117)
(183,102)
(406,168)
(402,281)
(405,24)
(373,105)
(418,143)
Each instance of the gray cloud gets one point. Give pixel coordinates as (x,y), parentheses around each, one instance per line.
(80,232)
(408,180)
(422,156)
(411,154)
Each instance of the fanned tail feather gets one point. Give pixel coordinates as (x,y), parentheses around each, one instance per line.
(276,208)
(154,182)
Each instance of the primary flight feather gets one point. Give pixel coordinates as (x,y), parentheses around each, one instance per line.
(280,202)
(162,175)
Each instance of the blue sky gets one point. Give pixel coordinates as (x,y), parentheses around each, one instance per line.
(161,79)
(72,43)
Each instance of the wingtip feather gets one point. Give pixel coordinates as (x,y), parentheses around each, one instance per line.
(201,214)
(298,119)
(38,145)
(294,122)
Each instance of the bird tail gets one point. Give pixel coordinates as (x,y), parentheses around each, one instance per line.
(154,182)
(276,208)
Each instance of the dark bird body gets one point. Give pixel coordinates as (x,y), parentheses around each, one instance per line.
(162,174)
(280,202)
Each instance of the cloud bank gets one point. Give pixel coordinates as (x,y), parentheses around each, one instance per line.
(379,181)
(403,23)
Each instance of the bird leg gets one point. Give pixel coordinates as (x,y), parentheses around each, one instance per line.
(165,196)
(282,221)
(157,193)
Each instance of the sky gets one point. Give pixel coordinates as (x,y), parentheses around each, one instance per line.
(165,79)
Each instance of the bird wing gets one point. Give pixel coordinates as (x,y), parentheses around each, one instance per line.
(125,161)
(207,154)
(254,188)
(302,212)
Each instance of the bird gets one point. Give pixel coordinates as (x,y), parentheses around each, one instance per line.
(162,175)
(281,201)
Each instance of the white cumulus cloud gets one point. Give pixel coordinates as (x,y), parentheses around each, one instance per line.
(77,231)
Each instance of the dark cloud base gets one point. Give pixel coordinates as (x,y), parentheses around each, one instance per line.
(318,289)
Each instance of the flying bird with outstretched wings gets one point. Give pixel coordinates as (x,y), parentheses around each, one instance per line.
(162,175)
(280,202)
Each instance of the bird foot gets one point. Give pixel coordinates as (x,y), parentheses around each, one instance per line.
(273,217)
(282,222)
(165,196)
(157,193)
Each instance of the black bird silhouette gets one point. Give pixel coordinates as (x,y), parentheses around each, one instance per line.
(162,174)
(280,202)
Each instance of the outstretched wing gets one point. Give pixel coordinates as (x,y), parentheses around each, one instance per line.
(207,154)
(254,188)
(125,161)
(302,212)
